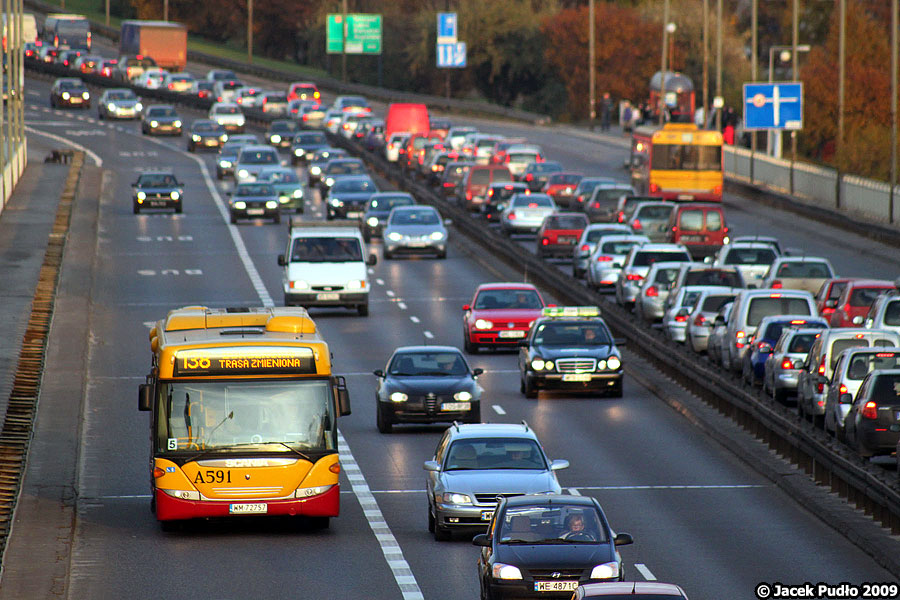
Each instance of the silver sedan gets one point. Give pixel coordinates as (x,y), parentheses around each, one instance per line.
(415,230)
(525,213)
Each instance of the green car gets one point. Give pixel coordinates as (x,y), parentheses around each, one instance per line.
(287,185)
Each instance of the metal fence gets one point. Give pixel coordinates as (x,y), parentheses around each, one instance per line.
(13,153)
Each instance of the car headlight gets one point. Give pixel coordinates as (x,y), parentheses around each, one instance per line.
(399,397)
(275,139)
(437,235)
(225,164)
(85,95)
(111,106)
(299,285)
(372,221)
(175,195)
(356,284)
(65,95)
(243,173)
(601,365)
(462,396)
(548,365)
(271,204)
(240,205)
(154,123)
(502,571)
(141,195)
(195,137)
(138,107)
(613,362)
(608,570)
(454,498)
(537,364)
(483,324)
(224,137)
(298,152)
(177,123)
(298,193)
(335,202)
(316,170)
(394,236)
(329,181)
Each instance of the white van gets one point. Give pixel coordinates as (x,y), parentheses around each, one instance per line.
(325,264)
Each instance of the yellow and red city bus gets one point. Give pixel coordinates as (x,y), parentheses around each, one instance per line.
(243,415)
(677,162)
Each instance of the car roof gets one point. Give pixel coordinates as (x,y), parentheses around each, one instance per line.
(156,172)
(769,291)
(661,246)
(548,499)
(870,283)
(506,286)
(405,349)
(618,588)
(480,430)
(784,259)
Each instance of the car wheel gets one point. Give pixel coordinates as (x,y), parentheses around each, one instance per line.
(441,534)
(135,207)
(383,420)
(430,521)
(191,148)
(468,346)
(179,209)
(220,175)
(841,435)
(367,238)
(818,421)
(99,115)
(474,415)
(277,218)
(861,449)
(233,219)
(531,390)
(363,310)
(800,411)
(300,210)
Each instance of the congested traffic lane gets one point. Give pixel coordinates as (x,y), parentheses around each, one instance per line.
(606,441)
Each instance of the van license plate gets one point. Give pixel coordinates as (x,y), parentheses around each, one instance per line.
(259,508)
(692,238)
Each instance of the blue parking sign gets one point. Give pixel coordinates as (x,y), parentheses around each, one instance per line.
(446,28)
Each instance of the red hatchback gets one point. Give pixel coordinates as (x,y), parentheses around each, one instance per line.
(560,186)
(856,299)
(500,315)
(559,234)
(828,295)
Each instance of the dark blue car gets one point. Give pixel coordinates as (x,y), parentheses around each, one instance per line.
(766,337)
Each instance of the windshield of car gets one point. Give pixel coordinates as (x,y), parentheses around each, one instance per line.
(566,222)
(648,257)
(546,167)
(220,75)
(594,235)
(801,343)
(70,85)
(346,167)
(619,247)
(259,157)
(311,138)
(424,216)
(156,180)
(714,303)
(326,249)
(288,126)
(713,277)
(386,203)
(254,189)
(773,330)
(428,364)
(532,201)
(750,256)
(523,157)
(326,155)
(653,213)
(571,334)
(804,270)
(207,127)
(121,95)
(494,453)
(864,362)
(352,186)
(161,112)
(564,179)
(226,110)
(551,524)
(666,277)
(285,176)
(769,306)
(493,299)
(610,196)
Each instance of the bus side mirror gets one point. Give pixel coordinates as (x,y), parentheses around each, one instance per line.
(145,396)
(342,394)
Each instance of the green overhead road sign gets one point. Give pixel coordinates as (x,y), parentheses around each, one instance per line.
(363,34)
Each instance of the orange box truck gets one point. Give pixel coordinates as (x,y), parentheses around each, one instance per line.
(164,42)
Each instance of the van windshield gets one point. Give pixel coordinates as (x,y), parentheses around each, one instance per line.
(326,249)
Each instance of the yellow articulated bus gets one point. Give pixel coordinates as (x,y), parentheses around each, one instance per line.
(677,162)
(243,415)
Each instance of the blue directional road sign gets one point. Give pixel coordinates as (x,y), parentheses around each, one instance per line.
(451,55)
(773,106)
(446,28)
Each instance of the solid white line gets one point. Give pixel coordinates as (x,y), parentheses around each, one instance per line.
(645,571)
(402,305)
(498,409)
(428,334)
(670,487)
(389,546)
(574,491)
(93,155)
(414,319)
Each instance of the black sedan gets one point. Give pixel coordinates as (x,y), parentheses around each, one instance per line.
(281,133)
(157,189)
(377,210)
(873,423)
(305,145)
(348,196)
(69,92)
(536,174)
(254,200)
(206,134)
(427,384)
(160,119)
(570,348)
(545,546)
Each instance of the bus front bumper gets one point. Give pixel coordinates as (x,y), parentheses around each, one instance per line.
(169,508)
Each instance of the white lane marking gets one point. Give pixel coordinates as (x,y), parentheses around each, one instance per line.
(379,281)
(93,155)
(390,293)
(645,571)
(574,491)
(428,334)
(371,271)
(498,409)
(402,305)
(414,319)
(670,487)
(400,569)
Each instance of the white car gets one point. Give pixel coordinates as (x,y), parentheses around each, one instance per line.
(605,262)
(248,96)
(152,79)
(251,160)
(392,148)
(752,259)
(178,82)
(227,114)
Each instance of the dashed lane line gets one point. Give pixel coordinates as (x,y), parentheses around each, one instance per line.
(428,334)
(574,491)
(498,409)
(414,319)
(645,571)
(401,305)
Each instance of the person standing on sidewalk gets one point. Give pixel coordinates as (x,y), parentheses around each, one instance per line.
(605,112)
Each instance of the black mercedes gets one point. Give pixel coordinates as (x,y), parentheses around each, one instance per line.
(545,546)
(427,384)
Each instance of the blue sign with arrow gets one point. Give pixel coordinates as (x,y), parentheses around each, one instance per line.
(773,106)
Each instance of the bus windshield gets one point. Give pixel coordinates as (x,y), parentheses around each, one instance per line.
(219,415)
(678,157)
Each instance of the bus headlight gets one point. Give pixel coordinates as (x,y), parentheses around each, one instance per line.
(182,494)
(462,396)
(399,397)
(613,362)
(309,492)
(483,324)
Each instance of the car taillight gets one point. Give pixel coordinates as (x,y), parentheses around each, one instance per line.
(680,318)
(870,410)
(653,292)
(306,117)
(56,40)
(171,86)
(764,346)
(529,177)
(637,224)
(739,338)
(448,184)
(580,199)
(634,277)
(621,217)
(822,366)
(605,258)
(596,205)
(512,216)
(787,364)
(842,389)
(469,195)
(777,284)
(700,320)
(545,242)
(585,247)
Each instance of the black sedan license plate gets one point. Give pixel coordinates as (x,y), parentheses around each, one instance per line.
(555,586)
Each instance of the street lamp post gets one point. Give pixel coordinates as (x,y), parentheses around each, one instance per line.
(661,102)
(592,93)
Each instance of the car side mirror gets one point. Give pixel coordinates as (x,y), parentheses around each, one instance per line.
(482,540)
(477,371)
(378,373)
(281,261)
(372,260)
(846,399)
(623,539)
(467,307)
(558,464)
(432,466)
(145,396)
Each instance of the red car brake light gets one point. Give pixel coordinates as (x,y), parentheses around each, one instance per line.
(870,410)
